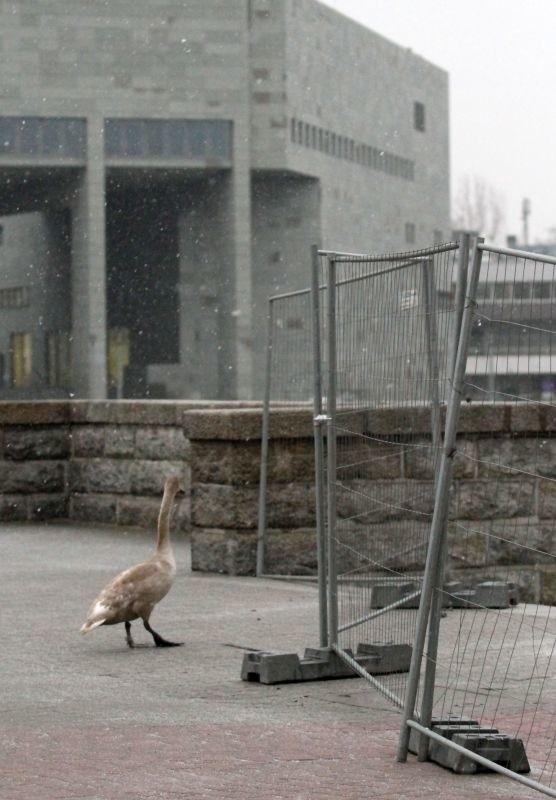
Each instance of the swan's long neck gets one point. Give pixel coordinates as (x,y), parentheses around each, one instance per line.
(163,540)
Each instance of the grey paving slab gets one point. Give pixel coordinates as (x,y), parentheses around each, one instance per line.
(85,717)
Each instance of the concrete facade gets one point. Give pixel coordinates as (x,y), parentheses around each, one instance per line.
(195,153)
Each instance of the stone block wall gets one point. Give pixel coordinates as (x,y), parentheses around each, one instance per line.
(225,459)
(105,462)
(98,462)
(486,498)
(35,446)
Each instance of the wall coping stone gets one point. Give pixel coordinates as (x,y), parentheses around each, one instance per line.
(43,412)
(242,420)
(131,412)
(245,424)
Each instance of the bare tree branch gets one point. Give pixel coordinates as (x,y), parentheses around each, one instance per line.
(478,207)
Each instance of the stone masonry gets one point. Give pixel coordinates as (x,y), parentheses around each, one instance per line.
(486,497)
(106,462)
(102,462)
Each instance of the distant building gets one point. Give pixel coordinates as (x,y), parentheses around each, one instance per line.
(512,349)
(165,166)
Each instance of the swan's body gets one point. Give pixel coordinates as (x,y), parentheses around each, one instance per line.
(134,593)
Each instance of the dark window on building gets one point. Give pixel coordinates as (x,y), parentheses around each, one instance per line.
(410,233)
(166,138)
(293,128)
(419,116)
(58,359)
(20,359)
(541,291)
(52,137)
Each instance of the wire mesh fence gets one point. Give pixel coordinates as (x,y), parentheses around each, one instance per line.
(289,384)
(418,528)
(495,666)
(390,324)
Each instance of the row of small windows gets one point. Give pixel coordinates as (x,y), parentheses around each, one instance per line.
(531,339)
(16,297)
(333,144)
(53,137)
(520,290)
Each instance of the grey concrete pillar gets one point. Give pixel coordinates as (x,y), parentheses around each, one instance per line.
(241,233)
(89,272)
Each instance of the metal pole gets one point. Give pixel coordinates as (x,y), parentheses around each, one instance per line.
(319,449)
(440,508)
(261,528)
(331,453)
(436,603)
(459,300)
(431,336)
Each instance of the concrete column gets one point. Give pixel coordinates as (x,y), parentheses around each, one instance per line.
(89,272)
(241,233)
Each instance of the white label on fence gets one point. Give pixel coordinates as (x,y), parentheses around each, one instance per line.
(409,298)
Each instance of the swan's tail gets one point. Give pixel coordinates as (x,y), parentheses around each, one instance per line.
(97,616)
(91,624)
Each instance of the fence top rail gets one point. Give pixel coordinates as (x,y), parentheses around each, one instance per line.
(378,273)
(286,295)
(344,281)
(526,254)
(369,258)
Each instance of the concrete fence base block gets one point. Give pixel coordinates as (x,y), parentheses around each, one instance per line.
(496,594)
(384,594)
(386,658)
(320,663)
(444,726)
(488,594)
(487,742)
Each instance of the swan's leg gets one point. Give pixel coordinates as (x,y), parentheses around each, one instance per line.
(158,640)
(128,636)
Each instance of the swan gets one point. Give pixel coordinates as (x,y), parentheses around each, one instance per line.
(134,592)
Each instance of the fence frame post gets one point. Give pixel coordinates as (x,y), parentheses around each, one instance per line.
(440,515)
(436,601)
(263,475)
(331,454)
(318,420)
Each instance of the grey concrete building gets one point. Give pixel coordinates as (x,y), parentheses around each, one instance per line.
(165,166)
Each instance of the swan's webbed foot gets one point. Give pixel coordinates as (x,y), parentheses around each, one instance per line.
(128,636)
(158,640)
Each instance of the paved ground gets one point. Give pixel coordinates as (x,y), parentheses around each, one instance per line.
(85,717)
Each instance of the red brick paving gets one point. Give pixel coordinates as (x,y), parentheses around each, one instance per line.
(247,762)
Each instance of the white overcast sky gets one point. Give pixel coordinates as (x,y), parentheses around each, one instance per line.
(501,57)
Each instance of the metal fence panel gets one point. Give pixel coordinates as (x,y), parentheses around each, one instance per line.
(399,341)
(390,322)
(496,665)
